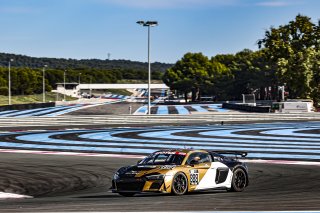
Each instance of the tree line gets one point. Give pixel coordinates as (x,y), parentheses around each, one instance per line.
(288,56)
(61,63)
(27,72)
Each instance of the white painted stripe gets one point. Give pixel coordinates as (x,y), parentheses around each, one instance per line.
(4,195)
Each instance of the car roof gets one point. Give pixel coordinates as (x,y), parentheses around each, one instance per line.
(185,151)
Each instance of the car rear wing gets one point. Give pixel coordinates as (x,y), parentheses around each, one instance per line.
(236,154)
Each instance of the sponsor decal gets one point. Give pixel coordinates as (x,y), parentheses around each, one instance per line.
(167,167)
(147,166)
(171,153)
(194,177)
(132,172)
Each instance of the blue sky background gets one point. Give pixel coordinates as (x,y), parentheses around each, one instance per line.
(93,28)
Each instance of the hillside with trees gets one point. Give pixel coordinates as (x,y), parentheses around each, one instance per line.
(26,72)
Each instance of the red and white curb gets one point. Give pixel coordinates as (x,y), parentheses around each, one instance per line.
(285,162)
(4,195)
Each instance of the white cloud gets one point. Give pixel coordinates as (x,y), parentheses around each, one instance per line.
(167,4)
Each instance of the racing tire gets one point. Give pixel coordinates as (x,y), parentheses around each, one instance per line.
(127,194)
(239,180)
(179,184)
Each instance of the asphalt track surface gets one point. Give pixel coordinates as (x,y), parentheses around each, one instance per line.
(70,183)
(79,183)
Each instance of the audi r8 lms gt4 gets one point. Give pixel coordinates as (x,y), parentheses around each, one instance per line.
(182,171)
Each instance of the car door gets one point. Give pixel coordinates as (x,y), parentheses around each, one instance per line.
(199,164)
(217,176)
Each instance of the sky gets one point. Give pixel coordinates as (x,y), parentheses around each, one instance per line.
(86,29)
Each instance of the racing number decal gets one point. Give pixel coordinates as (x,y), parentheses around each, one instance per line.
(194,177)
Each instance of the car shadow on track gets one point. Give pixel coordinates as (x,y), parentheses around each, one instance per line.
(115,195)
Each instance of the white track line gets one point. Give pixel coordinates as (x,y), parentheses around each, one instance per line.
(4,195)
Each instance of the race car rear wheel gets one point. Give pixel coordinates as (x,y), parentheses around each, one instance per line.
(126,194)
(239,180)
(179,184)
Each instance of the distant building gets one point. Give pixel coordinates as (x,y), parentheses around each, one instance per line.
(74,89)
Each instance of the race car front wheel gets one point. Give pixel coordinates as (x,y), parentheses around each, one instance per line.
(239,180)
(180,184)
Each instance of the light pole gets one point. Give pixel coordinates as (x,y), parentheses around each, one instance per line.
(79,84)
(90,86)
(44,84)
(9,82)
(148,24)
(64,85)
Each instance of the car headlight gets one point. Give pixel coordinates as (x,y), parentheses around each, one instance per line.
(155,177)
(116,176)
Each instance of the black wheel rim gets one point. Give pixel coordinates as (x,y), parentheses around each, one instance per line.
(180,184)
(240,179)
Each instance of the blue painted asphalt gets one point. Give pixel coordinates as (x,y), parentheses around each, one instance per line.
(215,137)
(147,148)
(45,111)
(232,133)
(157,135)
(64,111)
(45,138)
(49,111)
(7,112)
(249,140)
(163,110)
(163,93)
(218,108)
(77,148)
(199,108)
(17,113)
(142,109)
(293,132)
(182,110)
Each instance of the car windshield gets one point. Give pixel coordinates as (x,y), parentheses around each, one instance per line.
(164,159)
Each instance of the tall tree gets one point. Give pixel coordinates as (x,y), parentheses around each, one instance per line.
(194,73)
(294,48)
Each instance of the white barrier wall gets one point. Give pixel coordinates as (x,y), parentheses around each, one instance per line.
(288,107)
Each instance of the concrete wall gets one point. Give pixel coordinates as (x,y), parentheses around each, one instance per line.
(246,108)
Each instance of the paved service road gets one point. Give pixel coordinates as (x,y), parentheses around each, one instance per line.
(73,183)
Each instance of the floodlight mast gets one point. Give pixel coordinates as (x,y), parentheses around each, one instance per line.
(43,83)
(148,24)
(9,82)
